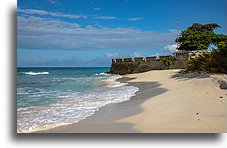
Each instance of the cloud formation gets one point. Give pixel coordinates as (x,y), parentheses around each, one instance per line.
(171,48)
(110,55)
(135,18)
(136,54)
(97,9)
(55,14)
(105,17)
(72,16)
(53,1)
(45,33)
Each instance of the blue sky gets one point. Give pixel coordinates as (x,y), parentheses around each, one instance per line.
(89,33)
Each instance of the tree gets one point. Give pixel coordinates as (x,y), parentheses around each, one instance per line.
(215,62)
(199,36)
(220,41)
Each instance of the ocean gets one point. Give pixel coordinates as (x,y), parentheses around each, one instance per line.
(51,97)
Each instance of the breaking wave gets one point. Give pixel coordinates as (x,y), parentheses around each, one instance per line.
(36,73)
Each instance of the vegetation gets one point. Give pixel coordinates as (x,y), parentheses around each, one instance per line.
(141,61)
(168,61)
(215,62)
(199,36)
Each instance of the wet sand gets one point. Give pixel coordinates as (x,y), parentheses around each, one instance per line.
(167,102)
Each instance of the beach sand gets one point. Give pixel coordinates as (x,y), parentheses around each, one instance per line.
(167,102)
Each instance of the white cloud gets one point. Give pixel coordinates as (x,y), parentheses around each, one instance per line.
(89,27)
(171,48)
(55,14)
(97,9)
(135,18)
(99,25)
(33,11)
(111,55)
(136,54)
(173,30)
(43,33)
(53,1)
(105,17)
(157,54)
(36,23)
(58,14)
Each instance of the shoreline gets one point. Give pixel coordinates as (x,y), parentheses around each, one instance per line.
(105,123)
(160,106)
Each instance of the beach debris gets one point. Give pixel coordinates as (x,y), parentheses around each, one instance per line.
(198,119)
(197,113)
(221,97)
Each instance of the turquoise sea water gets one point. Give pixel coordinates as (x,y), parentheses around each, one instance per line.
(50,97)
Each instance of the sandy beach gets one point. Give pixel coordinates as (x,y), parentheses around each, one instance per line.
(167,102)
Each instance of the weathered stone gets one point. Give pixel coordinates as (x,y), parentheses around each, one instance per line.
(136,67)
(154,58)
(127,60)
(223,84)
(137,59)
(163,57)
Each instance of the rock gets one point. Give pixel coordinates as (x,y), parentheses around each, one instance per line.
(223,84)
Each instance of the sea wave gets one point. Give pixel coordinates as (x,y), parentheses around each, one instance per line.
(112,81)
(73,108)
(102,74)
(36,73)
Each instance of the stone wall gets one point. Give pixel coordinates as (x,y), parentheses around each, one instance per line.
(141,64)
(137,67)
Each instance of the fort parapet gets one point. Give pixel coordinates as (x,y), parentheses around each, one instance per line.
(154,58)
(143,64)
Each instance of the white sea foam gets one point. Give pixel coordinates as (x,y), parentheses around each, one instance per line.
(73,108)
(102,74)
(36,73)
(112,81)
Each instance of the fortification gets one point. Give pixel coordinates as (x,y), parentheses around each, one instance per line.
(143,64)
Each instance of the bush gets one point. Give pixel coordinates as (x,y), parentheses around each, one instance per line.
(215,62)
(141,61)
(168,61)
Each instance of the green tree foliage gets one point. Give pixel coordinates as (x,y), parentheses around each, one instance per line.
(215,62)
(168,61)
(220,41)
(199,36)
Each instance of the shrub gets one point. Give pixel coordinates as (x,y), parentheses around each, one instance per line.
(215,62)
(141,61)
(168,61)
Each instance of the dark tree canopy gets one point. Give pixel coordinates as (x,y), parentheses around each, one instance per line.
(199,36)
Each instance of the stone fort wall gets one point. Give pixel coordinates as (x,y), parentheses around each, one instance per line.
(143,64)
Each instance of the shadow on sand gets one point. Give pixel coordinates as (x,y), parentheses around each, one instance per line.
(181,75)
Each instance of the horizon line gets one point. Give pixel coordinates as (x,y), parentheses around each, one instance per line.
(58,67)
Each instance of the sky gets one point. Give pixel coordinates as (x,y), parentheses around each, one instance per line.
(89,33)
